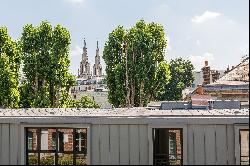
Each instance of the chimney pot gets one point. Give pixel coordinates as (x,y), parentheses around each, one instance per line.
(206,63)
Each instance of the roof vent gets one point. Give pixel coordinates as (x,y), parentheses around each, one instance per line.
(236,112)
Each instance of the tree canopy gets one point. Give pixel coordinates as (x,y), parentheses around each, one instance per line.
(181,77)
(135,66)
(46,61)
(10,60)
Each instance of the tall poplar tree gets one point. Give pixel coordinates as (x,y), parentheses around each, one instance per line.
(46,65)
(10,60)
(135,66)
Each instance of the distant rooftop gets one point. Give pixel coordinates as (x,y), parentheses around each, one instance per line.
(239,75)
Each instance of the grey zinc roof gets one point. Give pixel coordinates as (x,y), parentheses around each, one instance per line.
(120,112)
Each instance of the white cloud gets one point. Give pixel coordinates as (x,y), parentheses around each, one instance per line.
(76,51)
(199,61)
(207,15)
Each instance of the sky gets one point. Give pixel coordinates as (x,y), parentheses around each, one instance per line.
(198,30)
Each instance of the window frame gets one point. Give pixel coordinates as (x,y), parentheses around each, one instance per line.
(237,129)
(63,126)
(184,140)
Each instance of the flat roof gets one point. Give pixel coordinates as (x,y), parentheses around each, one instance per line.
(120,112)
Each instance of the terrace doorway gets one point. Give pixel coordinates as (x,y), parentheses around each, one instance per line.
(167,146)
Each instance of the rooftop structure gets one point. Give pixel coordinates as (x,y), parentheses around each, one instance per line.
(138,112)
(126,136)
(238,75)
(234,85)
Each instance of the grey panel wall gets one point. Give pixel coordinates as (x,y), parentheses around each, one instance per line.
(9,144)
(119,144)
(211,145)
(129,144)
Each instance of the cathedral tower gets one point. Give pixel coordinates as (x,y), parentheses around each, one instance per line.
(84,64)
(97,68)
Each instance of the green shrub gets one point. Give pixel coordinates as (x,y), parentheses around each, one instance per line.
(65,160)
(47,160)
(33,160)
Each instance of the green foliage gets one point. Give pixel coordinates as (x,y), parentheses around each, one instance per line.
(162,77)
(33,160)
(181,77)
(46,61)
(85,102)
(62,160)
(47,160)
(135,66)
(65,160)
(9,70)
(25,97)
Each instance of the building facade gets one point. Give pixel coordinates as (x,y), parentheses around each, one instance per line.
(203,77)
(234,85)
(134,136)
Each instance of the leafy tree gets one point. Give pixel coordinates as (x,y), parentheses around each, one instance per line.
(25,95)
(46,61)
(181,77)
(9,70)
(135,66)
(85,102)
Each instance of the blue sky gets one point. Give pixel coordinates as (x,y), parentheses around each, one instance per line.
(214,30)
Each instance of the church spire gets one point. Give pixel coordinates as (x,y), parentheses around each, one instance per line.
(97,68)
(84,64)
(84,43)
(97,49)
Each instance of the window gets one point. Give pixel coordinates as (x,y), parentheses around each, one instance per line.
(244,146)
(30,140)
(167,146)
(56,146)
(81,140)
(172,144)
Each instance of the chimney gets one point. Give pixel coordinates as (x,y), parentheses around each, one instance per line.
(210,104)
(200,90)
(206,73)
(206,63)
